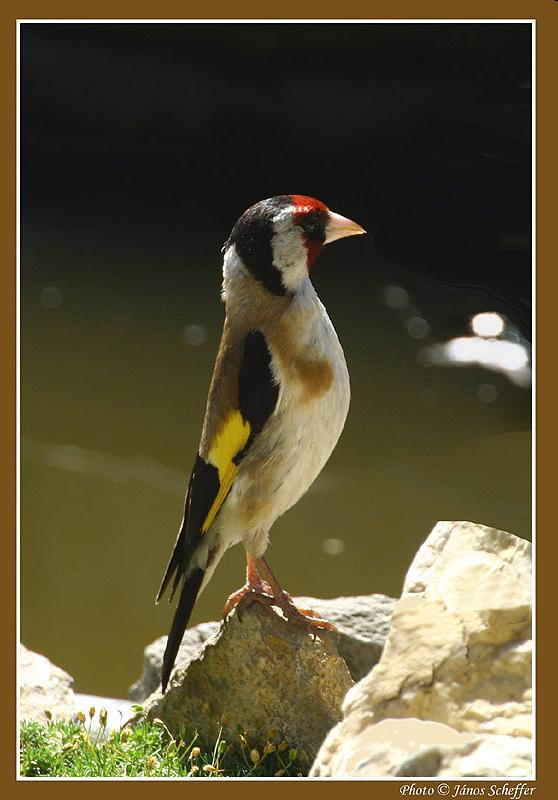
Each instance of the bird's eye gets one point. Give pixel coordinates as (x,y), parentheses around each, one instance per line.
(311,224)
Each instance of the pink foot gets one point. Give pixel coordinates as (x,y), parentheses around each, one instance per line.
(254,590)
(269,593)
(248,594)
(298,616)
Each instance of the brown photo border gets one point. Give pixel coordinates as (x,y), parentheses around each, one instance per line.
(545,14)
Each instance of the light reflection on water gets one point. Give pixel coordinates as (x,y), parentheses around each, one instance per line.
(496,344)
(509,358)
(114,380)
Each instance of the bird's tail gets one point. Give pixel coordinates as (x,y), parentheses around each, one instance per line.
(188,595)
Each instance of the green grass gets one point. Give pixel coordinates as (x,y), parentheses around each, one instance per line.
(145,749)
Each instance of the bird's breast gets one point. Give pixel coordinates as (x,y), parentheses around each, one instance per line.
(309,366)
(307,357)
(313,402)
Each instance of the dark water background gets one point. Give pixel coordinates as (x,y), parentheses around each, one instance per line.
(140,147)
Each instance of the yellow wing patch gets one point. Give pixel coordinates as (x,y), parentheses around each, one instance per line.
(230,440)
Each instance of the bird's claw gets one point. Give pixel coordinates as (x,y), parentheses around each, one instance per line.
(262,592)
(306,618)
(245,597)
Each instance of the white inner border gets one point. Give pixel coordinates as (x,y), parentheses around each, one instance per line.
(532,22)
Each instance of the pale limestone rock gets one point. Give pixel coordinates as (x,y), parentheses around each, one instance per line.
(458,653)
(362,621)
(268,676)
(472,567)
(43,687)
(417,748)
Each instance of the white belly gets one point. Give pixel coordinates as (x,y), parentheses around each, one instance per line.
(307,441)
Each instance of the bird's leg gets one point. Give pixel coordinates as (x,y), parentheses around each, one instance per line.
(254,588)
(281,599)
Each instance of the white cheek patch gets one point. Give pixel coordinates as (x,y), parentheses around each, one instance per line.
(290,255)
(232,267)
(231,263)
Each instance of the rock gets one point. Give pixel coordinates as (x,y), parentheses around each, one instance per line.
(362,621)
(472,567)
(416,748)
(193,642)
(43,687)
(46,687)
(271,678)
(458,653)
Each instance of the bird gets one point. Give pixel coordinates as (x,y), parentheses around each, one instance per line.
(276,407)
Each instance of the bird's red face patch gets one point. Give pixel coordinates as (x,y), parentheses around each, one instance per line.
(311,215)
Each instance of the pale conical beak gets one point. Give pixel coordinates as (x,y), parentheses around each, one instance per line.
(339,227)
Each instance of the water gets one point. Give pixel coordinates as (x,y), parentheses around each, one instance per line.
(118,344)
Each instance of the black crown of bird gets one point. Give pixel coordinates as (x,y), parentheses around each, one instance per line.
(277,404)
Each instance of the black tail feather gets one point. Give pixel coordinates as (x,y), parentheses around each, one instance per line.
(174,567)
(182,614)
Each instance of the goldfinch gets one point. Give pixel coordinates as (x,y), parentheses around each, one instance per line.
(276,407)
